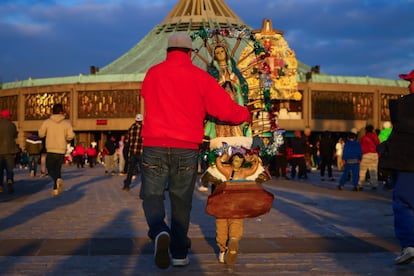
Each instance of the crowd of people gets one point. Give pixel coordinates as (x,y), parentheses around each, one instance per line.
(46,150)
(354,154)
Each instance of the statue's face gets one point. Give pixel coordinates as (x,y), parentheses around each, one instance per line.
(237,162)
(220,53)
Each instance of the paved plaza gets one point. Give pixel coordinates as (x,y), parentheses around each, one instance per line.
(95,228)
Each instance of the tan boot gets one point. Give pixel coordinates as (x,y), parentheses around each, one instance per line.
(59,183)
(231,254)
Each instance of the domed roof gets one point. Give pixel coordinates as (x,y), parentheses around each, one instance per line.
(186,16)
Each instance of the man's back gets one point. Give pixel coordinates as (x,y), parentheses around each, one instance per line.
(57,131)
(8,134)
(177,96)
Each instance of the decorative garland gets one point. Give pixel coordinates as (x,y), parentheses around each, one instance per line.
(269,151)
(211,155)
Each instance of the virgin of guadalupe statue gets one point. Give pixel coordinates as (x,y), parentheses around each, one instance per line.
(224,69)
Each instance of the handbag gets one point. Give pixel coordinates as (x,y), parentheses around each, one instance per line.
(239,199)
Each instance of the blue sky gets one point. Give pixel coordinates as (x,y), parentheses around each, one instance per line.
(54,38)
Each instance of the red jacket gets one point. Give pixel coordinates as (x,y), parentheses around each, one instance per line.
(79,150)
(369,143)
(177,96)
(91,151)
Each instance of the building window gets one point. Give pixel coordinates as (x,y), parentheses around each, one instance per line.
(385,111)
(342,105)
(39,106)
(108,103)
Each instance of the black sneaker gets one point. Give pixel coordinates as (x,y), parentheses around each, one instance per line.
(340,187)
(10,187)
(162,252)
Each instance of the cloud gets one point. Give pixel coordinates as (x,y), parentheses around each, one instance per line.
(64,37)
(348,37)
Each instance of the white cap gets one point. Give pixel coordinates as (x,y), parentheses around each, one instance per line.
(180,40)
(387,124)
(139,117)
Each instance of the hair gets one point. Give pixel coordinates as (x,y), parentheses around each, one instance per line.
(225,50)
(238,154)
(57,108)
(228,84)
(351,135)
(185,50)
(369,128)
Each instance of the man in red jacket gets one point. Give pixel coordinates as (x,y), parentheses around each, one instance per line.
(177,97)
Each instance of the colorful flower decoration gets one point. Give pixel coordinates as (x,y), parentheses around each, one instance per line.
(272,148)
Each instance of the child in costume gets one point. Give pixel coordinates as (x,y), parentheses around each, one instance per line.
(229,231)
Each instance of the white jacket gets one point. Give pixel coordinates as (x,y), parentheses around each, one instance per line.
(58,133)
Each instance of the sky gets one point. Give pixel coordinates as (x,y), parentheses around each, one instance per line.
(56,38)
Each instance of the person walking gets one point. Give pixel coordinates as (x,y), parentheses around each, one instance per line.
(298,145)
(339,149)
(58,132)
(327,149)
(352,156)
(385,176)
(79,155)
(398,157)
(110,149)
(229,231)
(120,155)
(134,141)
(8,149)
(281,161)
(91,155)
(369,142)
(34,147)
(177,96)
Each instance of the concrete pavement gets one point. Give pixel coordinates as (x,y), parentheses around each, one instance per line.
(95,228)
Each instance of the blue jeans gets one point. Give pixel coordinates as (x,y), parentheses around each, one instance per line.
(7,162)
(33,161)
(354,169)
(178,169)
(54,162)
(134,165)
(403,206)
